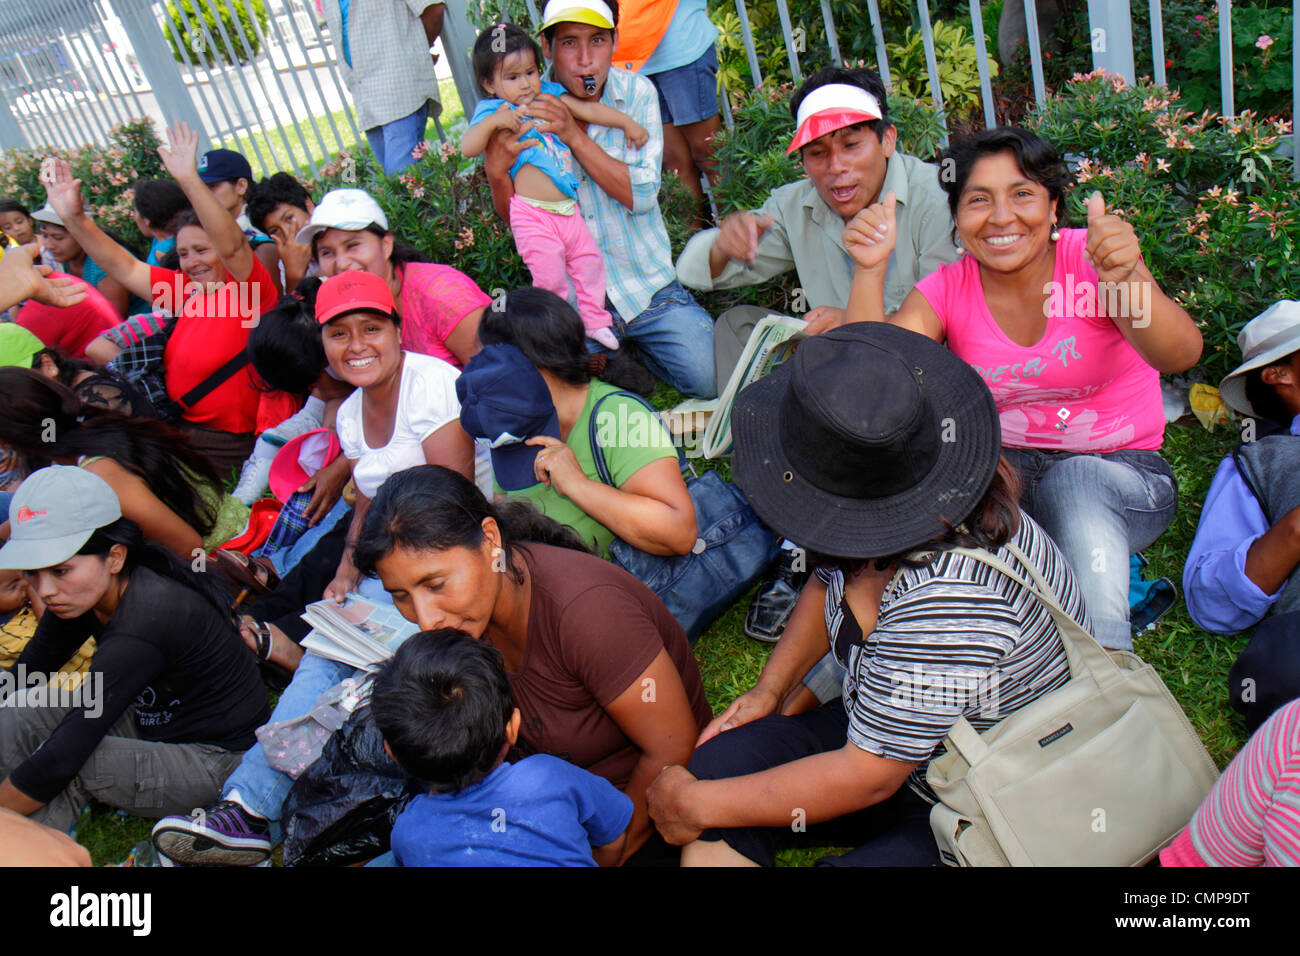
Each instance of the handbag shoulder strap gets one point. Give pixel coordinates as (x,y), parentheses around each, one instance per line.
(1081,648)
(213,381)
(593,436)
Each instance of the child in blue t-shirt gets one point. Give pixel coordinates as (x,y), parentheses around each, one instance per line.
(444,706)
(551,237)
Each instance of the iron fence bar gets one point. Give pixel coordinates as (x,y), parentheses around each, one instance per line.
(1035,54)
(78,119)
(1225,56)
(1157,43)
(1295,92)
(255,123)
(279,84)
(207,96)
(345,96)
(756,75)
(107,111)
(35,118)
(120,72)
(297,82)
(230,85)
(932,67)
(311,73)
(832,38)
(783,14)
(725,97)
(57,117)
(982,60)
(95,58)
(882,59)
(532,12)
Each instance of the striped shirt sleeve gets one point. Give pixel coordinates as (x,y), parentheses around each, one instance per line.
(1252,816)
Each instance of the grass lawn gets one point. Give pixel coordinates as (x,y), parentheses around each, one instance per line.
(1194,664)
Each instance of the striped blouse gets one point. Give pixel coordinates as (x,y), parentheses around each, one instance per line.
(1252,816)
(952,638)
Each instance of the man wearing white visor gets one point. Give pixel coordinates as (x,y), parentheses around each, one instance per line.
(618,193)
(846,143)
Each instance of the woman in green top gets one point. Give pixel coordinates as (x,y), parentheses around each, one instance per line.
(650,507)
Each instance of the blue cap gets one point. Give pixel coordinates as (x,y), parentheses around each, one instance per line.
(219,165)
(504,400)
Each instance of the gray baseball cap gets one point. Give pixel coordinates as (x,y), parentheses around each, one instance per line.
(53,513)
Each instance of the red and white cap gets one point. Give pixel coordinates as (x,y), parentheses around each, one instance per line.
(831,107)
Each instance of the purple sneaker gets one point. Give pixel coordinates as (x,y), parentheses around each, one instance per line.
(224,834)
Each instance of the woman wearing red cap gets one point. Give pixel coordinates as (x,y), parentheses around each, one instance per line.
(218,295)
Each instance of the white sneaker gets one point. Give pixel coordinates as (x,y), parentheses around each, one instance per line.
(254,480)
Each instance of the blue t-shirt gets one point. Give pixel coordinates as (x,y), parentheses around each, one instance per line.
(549,155)
(690,33)
(541,811)
(158,250)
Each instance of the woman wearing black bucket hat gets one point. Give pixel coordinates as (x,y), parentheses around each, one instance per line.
(879,450)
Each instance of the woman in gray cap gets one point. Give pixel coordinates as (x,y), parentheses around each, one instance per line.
(172,698)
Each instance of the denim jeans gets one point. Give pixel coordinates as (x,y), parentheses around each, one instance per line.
(1100,509)
(286,559)
(393,142)
(675,337)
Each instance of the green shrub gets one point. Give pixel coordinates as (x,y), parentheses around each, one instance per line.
(210,48)
(106,174)
(957,62)
(1212,202)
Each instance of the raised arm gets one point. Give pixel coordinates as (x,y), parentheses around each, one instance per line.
(180,158)
(870,237)
(602,115)
(476,138)
(609,174)
(20,280)
(64,194)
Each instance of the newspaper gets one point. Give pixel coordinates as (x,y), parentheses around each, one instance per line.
(773,340)
(357,632)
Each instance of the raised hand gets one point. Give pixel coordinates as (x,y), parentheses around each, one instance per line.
(1112,245)
(181,155)
(872,234)
(62,190)
(738,236)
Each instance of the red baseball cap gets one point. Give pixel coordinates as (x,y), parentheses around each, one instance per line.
(354,291)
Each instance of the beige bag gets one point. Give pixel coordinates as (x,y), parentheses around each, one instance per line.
(1101,772)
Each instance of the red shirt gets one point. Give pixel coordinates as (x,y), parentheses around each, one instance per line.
(72,328)
(211,329)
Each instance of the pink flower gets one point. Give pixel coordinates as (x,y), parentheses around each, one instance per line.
(1230,197)
(446,151)
(421,149)
(466,238)
(1264,42)
(1162,165)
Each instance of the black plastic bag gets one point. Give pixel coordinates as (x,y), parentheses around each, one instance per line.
(342,809)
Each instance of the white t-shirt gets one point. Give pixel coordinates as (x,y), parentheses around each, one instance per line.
(426,401)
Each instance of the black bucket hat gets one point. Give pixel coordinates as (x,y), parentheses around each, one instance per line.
(869,441)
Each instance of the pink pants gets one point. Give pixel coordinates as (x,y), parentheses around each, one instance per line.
(559,250)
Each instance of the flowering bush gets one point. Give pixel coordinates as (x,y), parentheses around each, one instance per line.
(106,173)
(1212,202)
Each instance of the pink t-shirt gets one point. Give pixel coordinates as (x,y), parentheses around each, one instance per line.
(1081,387)
(435,298)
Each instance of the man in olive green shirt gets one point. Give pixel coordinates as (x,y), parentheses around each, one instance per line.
(848,150)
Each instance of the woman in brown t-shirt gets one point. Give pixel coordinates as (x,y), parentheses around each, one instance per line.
(600,670)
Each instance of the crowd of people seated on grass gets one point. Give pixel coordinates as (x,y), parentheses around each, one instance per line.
(958,460)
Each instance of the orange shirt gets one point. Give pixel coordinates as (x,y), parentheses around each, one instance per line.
(641,25)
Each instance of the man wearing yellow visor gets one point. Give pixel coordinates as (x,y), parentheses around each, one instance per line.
(618,193)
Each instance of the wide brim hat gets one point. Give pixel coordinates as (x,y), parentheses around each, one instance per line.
(870,441)
(53,513)
(1273,334)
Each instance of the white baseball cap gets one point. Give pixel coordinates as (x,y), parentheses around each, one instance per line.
(591,12)
(350,209)
(53,513)
(47,214)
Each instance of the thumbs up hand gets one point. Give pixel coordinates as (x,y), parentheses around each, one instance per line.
(872,234)
(1112,245)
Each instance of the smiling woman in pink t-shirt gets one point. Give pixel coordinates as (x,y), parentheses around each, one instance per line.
(1071,333)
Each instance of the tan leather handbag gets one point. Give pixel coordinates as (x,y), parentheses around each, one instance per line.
(1101,772)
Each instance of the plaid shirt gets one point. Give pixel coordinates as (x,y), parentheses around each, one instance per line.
(391,75)
(633,243)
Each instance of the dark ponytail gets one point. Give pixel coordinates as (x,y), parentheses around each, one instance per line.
(431,508)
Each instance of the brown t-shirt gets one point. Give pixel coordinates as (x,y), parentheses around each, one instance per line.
(592,630)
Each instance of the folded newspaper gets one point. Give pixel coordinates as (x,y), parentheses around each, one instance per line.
(773,340)
(356,632)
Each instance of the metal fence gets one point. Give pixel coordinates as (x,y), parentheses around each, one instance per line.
(72,69)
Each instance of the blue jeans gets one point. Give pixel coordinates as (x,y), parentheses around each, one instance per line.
(393,142)
(286,559)
(1100,509)
(675,337)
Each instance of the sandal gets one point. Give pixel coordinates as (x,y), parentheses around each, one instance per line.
(251,577)
(273,674)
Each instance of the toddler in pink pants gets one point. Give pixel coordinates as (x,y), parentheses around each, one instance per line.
(550,234)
